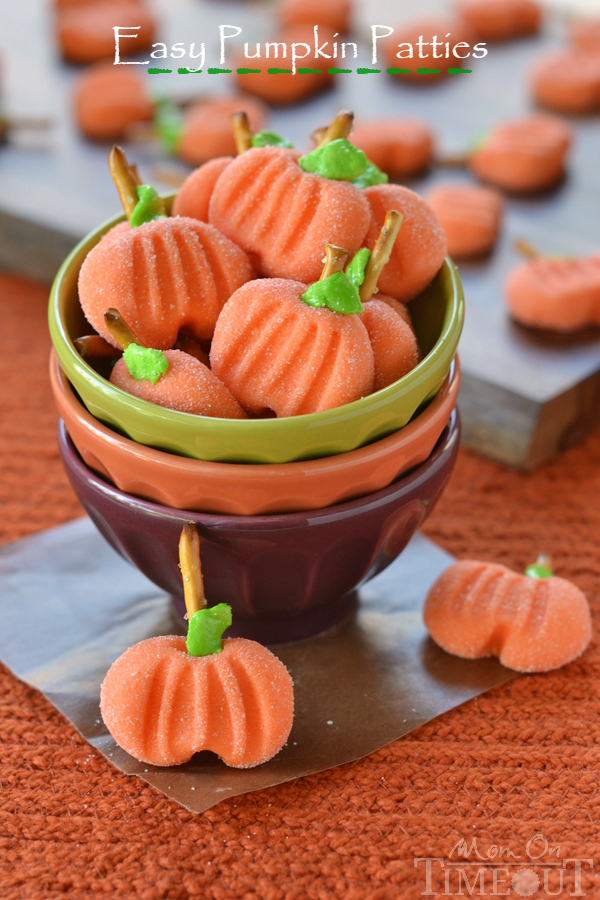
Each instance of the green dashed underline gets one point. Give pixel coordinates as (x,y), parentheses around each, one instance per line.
(305,71)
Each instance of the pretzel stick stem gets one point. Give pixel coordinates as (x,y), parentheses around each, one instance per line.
(191,570)
(381,253)
(339,128)
(335,260)
(120,331)
(241,131)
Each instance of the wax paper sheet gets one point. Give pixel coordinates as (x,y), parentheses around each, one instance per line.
(70,606)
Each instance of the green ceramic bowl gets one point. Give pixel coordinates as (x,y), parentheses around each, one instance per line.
(438,319)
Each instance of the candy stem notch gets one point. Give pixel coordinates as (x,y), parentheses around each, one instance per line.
(335,260)
(241,131)
(381,253)
(120,331)
(339,128)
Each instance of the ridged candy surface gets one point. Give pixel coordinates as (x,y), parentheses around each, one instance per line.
(85,32)
(523,155)
(561,294)
(400,147)
(283,217)
(420,247)
(394,343)
(164,276)
(187,385)
(194,194)
(470,216)
(277,354)
(207,131)
(162,705)
(334,14)
(477,609)
(108,99)
(568,82)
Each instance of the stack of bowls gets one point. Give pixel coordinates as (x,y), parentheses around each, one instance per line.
(294,513)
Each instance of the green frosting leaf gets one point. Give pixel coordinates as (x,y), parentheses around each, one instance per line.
(148,208)
(168,122)
(269,139)
(337,293)
(205,630)
(355,270)
(372,175)
(538,571)
(145,364)
(340,160)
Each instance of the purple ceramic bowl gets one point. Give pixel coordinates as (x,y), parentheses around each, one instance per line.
(287,577)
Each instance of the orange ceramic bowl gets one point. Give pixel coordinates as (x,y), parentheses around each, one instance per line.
(251,489)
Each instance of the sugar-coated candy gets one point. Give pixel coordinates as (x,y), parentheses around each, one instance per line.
(532,624)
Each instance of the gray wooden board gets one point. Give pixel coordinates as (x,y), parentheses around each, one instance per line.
(524,395)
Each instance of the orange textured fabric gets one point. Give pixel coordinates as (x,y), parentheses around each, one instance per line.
(520,760)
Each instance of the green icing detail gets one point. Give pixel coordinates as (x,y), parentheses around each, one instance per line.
(340,160)
(372,175)
(148,208)
(537,571)
(145,364)
(205,630)
(337,293)
(355,270)
(269,139)
(168,122)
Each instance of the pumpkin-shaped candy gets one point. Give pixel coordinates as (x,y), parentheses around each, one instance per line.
(167,698)
(283,215)
(85,31)
(420,248)
(501,20)
(523,155)
(470,216)
(173,379)
(568,82)
(393,340)
(204,130)
(108,99)
(562,294)
(532,623)
(196,191)
(400,147)
(164,275)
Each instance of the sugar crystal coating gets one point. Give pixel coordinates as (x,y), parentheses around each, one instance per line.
(561,294)
(275,353)
(470,216)
(477,609)
(394,343)
(162,705)
(420,247)
(188,386)
(163,276)
(195,192)
(283,217)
